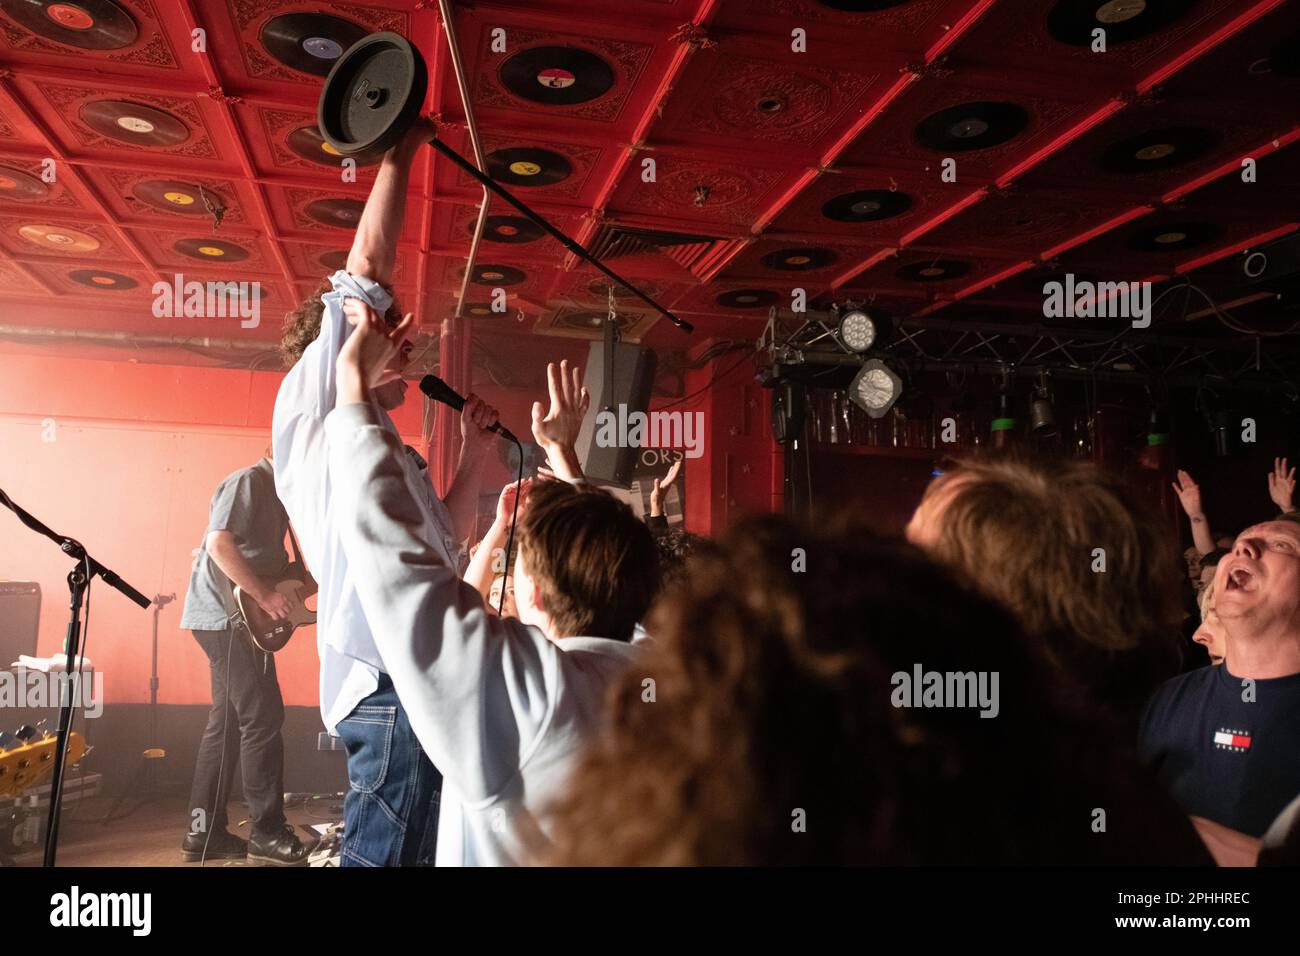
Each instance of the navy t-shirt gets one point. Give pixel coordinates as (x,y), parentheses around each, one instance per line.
(1222,757)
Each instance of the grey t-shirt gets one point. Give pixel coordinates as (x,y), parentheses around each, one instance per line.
(245,504)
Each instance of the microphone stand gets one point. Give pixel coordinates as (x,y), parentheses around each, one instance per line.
(78,581)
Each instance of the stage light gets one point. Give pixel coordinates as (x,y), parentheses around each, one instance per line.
(875,388)
(859,330)
(1042,417)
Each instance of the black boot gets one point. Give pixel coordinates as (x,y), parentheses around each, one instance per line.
(281,849)
(223,845)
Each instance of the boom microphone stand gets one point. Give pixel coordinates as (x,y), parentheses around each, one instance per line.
(78,581)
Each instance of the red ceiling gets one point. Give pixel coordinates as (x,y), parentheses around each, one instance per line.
(712,91)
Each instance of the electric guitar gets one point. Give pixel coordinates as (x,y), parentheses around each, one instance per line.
(26,761)
(270,634)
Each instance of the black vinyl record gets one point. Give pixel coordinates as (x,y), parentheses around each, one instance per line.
(509,229)
(1174,236)
(309,42)
(933,270)
(102,279)
(334,261)
(867,205)
(134,123)
(556,75)
(496,275)
(342,213)
(798,260)
(748,299)
(171,195)
(211,250)
(481,310)
(971,126)
(87,24)
(528,166)
(307,143)
(20,186)
(1159,149)
(1072,21)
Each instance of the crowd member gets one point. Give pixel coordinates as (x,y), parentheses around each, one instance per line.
(656,519)
(501,704)
(1089,573)
(774,734)
(391,807)
(488,572)
(1226,740)
(1281,486)
(1210,633)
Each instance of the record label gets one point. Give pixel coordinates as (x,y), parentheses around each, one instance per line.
(59,238)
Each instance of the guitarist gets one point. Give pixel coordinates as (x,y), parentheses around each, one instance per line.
(243,545)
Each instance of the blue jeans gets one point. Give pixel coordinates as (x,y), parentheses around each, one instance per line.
(390,815)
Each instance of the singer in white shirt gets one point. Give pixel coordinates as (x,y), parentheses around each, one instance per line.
(390,813)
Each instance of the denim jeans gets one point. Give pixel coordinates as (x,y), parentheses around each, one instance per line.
(390,815)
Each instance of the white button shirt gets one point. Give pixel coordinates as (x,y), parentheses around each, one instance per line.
(350,665)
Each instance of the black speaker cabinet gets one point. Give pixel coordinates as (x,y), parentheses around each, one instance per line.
(20,616)
(604,462)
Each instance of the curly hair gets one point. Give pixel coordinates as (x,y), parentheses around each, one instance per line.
(1032,533)
(772,668)
(302,325)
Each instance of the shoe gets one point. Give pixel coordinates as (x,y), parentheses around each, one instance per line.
(223,845)
(282,849)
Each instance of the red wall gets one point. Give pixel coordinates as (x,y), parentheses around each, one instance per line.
(136,455)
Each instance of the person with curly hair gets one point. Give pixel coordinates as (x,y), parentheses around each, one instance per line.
(776,733)
(390,812)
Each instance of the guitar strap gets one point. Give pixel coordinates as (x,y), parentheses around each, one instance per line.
(293,543)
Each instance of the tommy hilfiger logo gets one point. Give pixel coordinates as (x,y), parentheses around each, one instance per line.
(1234,740)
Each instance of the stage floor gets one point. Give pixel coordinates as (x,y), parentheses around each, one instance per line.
(150,834)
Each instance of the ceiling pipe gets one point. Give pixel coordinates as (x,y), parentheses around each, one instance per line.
(453,46)
(44,333)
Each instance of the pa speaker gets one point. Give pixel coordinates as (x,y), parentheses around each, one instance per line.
(20,615)
(619,394)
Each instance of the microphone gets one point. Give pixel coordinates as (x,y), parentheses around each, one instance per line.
(440,391)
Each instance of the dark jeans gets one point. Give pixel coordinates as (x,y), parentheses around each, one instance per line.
(390,815)
(249,726)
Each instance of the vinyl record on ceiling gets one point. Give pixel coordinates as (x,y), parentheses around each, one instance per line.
(590,320)
(933,270)
(211,250)
(494,275)
(867,205)
(971,126)
(481,310)
(343,213)
(1159,149)
(748,299)
(20,186)
(509,229)
(798,260)
(59,238)
(528,166)
(307,143)
(1072,21)
(309,42)
(334,261)
(556,75)
(1174,236)
(102,279)
(88,24)
(171,195)
(134,123)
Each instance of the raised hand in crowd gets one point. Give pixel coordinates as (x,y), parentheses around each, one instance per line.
(660,489)
(1281,485)
(1189,496)
(556,431)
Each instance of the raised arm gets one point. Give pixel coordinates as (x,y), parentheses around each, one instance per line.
(475,441)
(478,688)
(374,248)
(1281,486)
(1189,495)
(483,566)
